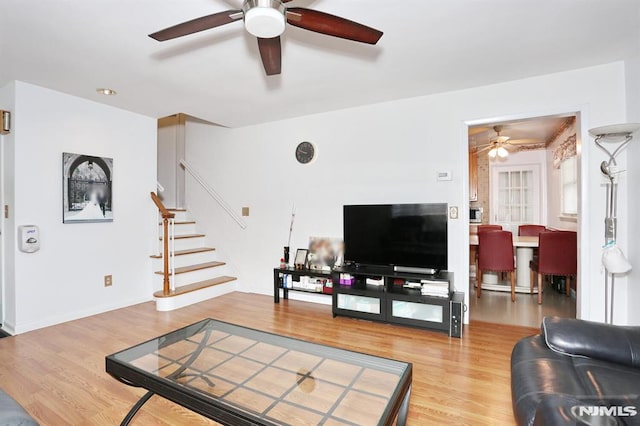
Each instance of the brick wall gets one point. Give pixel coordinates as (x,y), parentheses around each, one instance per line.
(483,187)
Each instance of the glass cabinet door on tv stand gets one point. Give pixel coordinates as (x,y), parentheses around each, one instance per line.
(412,308)
(395,297)
(359,299)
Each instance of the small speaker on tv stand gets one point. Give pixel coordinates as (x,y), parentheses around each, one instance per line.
(457,314)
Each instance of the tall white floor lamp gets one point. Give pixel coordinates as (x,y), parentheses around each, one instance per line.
(613,259)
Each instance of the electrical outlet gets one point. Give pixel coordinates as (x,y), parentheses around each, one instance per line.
(108,280)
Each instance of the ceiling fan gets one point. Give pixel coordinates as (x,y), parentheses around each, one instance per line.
(497,145)
(500,146)
(266,20)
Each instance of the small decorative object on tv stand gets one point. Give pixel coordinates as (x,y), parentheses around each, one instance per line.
(411,269)
(284,278)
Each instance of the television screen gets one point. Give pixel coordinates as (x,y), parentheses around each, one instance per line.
(405,235)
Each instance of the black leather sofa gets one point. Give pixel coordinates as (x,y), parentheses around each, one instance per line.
(577,373)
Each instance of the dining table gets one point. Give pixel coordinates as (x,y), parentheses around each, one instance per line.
(524,246)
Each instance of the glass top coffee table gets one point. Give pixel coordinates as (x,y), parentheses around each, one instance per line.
(240,376)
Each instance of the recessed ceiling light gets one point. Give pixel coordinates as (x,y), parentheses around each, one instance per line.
(106,91)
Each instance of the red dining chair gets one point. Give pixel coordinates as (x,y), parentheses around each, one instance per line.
(557,255)
(482,228)
(495,254)
(530,230)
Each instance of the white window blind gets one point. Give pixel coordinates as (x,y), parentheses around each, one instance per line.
(569,180)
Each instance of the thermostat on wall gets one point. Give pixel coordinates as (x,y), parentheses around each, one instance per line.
(28,238)
(444,175)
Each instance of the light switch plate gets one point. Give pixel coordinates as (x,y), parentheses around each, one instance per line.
(453,212)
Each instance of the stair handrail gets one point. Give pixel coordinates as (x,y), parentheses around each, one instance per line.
(163,210)
(167,219)
(212,192)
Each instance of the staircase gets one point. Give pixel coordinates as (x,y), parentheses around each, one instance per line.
(198,276)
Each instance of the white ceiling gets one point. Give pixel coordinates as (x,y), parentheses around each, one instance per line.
(428,46)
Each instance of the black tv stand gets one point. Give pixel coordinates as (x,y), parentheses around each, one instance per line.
(382,294)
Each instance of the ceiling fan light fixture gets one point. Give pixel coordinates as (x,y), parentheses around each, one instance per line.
(493,152)
(502,152)
(264,18)
(106,91)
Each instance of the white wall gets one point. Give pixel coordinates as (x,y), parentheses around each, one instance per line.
(64,280)
(632,72)
(390,152)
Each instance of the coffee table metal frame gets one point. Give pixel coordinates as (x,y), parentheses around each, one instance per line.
(119,365)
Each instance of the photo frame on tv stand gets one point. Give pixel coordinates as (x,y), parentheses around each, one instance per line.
(300,261)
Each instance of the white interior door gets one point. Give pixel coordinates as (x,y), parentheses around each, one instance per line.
(515,195)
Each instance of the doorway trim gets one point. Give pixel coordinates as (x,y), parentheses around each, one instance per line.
(583,299)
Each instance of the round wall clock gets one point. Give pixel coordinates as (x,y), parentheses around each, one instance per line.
(305,152)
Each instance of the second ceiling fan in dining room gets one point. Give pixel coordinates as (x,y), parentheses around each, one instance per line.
(500,145)
(266,20)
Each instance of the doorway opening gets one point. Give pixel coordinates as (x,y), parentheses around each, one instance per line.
(520,173)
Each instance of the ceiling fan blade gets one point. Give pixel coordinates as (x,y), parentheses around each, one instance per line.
(271,54)
(324,23)
(476,130)
(197,25)
(483,149)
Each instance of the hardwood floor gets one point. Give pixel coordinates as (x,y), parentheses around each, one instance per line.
(58,373)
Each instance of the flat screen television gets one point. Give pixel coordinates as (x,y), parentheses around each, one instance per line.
(409,237)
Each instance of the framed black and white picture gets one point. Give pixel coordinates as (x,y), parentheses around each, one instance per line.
(87,189)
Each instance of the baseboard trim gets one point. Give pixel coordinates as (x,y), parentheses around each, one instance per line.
(54,320)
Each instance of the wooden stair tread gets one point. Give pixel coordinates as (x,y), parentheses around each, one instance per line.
(195,286)
(191,268)
(185,252)
(185,236)
(182,222)
(177,210)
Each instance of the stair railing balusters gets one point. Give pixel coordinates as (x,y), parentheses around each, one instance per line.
(172,253)
(159,251)
(167,217)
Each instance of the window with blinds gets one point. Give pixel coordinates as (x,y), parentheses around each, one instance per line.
(569,179)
